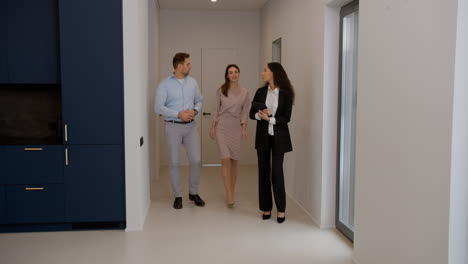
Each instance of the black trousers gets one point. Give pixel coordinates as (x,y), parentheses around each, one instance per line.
(270,172)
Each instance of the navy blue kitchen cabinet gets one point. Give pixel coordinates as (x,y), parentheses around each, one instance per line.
(2,187)
(2,204)
(92,71)
(76,180)
(32,41)
(41,164)
(35,203)
(3,43)
(33,184)
(91,53)
(94,183)
(3,156)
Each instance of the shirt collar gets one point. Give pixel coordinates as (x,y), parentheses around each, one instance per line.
(173,77)
(276,90)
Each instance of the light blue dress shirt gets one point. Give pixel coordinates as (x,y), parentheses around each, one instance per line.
(173,97)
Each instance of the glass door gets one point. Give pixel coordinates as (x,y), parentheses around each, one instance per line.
(349,21)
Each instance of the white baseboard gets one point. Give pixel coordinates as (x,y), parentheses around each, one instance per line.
(311,217)
(317,223)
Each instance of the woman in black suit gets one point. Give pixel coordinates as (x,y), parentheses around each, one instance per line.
(271,107)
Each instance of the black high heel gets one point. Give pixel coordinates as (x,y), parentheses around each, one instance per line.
(265,217)
(281,219)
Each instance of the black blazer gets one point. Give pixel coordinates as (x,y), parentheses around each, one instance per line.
(282,138)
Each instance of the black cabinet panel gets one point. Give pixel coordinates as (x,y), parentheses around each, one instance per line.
(34,164)
(94,182)
(3,43)
(92,70)
(32,34)
(35,204)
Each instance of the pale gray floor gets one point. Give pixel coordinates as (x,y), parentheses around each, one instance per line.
(213,234)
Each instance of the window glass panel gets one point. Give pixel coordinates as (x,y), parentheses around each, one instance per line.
(347,125)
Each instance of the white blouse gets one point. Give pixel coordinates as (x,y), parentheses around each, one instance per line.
(271,103)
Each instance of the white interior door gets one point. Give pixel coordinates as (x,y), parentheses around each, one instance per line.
(214,62)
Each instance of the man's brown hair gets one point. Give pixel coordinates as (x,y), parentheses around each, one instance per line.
(179,58)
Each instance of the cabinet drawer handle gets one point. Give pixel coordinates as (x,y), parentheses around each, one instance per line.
(66,156)
(66,133)
(34,188)
(32,149)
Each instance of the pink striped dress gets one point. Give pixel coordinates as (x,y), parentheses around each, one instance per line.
(230,112)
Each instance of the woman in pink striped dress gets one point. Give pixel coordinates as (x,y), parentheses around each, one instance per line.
(230,126)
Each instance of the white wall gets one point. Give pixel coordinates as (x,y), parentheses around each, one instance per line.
(458,234)
(136,90)
(310,170)
(153,61)
(404,144)
(404,130)
(190,31)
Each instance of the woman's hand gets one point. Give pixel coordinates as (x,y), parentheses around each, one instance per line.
(244,134)
(263,116)
(212,133)
(267,111)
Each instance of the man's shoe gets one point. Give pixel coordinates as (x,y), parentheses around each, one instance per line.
(178,203)
(196,198)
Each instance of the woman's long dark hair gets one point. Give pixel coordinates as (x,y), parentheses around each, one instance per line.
(281,78)
(227,83)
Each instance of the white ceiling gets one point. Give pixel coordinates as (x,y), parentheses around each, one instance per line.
(207,4)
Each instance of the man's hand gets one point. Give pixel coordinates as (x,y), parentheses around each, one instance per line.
(186,115)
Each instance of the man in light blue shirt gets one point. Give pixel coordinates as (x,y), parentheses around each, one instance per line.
(178,99)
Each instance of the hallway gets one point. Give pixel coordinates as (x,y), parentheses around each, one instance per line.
(213,234)
(94,67)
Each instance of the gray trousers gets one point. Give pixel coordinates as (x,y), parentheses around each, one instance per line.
(187,135)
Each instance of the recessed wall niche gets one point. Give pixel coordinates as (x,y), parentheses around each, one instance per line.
(30,114)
